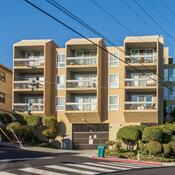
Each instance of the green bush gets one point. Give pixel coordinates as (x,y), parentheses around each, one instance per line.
(140,128)
(166,150)
(166,137)
(172,144)
(33,120)
(50,133)
(51,122)
(110,143)
(154,148)
(128,133)
(152,134)
(27,134)
(173,138)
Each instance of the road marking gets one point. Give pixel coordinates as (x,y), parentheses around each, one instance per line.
(125,165)
(79,171)
(23,159)
(91,167)
(107,166)
(39,171)
(6,173)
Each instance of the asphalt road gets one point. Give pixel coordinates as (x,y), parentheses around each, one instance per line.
(15,161)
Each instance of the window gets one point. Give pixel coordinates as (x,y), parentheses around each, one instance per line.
(2,76)
(113,80)
(2,97)
(60,60)
(114,60)
(60,103)
(60,82)
(113,103)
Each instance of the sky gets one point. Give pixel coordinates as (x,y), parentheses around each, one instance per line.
(18,21)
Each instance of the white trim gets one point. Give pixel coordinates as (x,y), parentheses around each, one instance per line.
(59,63)
(115,109)
(57,106)
(117,83)
(109,61)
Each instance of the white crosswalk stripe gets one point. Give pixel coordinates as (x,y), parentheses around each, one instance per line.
(85,168)
(58,167)
(124,165)
(6,173)
(107,166)
(40,171)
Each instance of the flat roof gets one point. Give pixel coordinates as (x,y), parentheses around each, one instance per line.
(82,41)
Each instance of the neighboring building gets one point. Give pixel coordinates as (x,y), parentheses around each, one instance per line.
(95,93)
(169,93)
(5,89)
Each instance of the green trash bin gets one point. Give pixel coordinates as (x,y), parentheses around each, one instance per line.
(101,151)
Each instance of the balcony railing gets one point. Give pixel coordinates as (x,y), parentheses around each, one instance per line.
(81,61)
(133,105)
(28,84)
(29,62)
(144,82)
(133,59)
(81,84)
(22,107)
(73,106)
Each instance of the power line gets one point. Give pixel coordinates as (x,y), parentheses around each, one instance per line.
(168,9)
(158,12)
(138,15)
(154,20)
(65,25)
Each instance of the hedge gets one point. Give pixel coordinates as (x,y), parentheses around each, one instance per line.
(152,134)
(166,150)
(154,148)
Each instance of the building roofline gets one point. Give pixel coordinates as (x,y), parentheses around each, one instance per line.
(5,67)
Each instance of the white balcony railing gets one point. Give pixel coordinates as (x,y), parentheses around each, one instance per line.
(141,59)
(28,84)
(81,84)
(81,60)
(29,62)
(144,82)
(73,106)
(22,107)
(143,105)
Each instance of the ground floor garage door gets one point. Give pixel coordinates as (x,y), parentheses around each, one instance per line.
(89,136)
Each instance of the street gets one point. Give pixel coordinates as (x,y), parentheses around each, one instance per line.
(15,161)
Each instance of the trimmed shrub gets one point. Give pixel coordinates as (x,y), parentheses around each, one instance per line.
(27,135)
(173,138)
(129,136)
(166,150)
(154,148)
(140,128)
(152,134)
(128,133)
(33,120)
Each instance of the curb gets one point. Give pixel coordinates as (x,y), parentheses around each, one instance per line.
(127,161)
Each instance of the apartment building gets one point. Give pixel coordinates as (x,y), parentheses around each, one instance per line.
(92,92)
(5,89)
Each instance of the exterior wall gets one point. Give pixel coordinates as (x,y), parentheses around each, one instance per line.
(6,88)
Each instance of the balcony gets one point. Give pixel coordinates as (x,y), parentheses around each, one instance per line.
(81,107)
(28,85)
(141,82)
(81,84)
(140,105)
(29,62)
(27,107)
(140,59)
(77,61)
